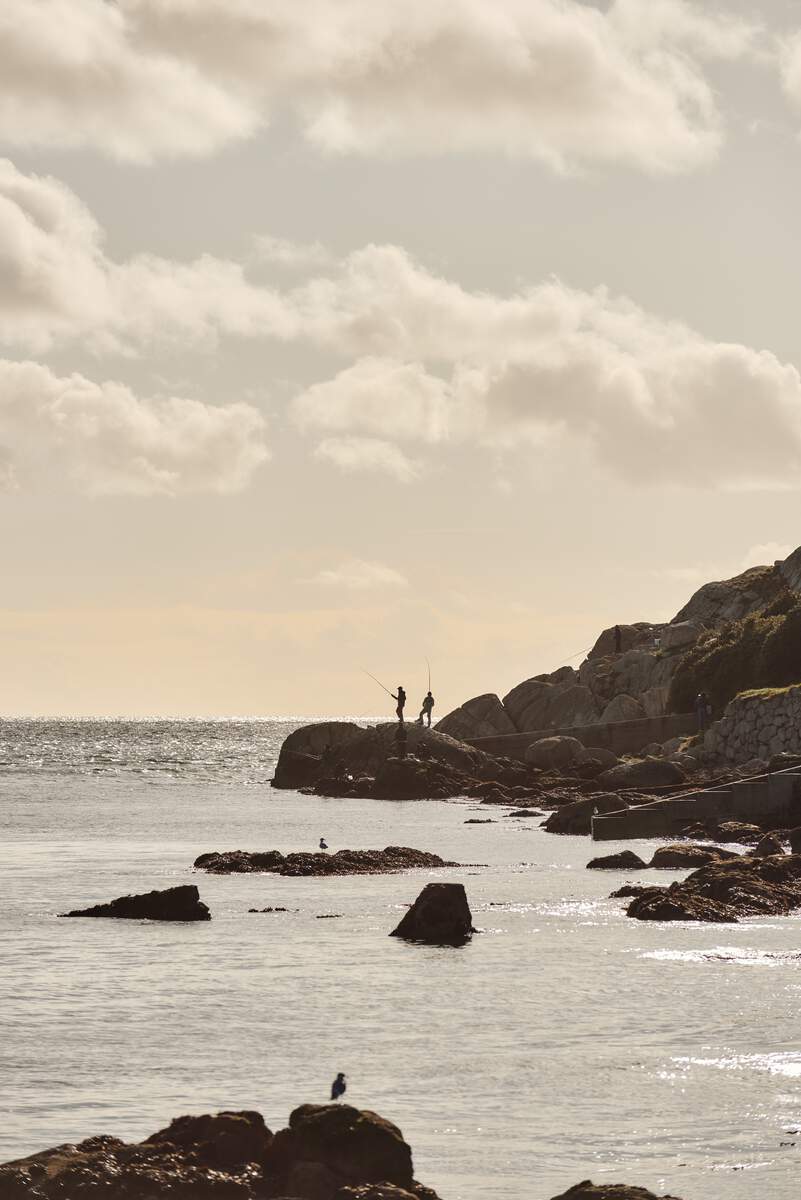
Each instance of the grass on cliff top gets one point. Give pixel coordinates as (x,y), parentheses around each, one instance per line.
(765,693)
(761,653)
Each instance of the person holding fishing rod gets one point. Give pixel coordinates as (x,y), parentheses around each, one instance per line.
(425,711)
(400,697)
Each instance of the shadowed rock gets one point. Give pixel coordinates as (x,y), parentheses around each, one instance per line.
(643,773)
(725,891)
(688,855)
(172,904)
(329,1152)
(626,860)
(768,845)
(440,915)
(608,1191)
(576,817)
(344,862)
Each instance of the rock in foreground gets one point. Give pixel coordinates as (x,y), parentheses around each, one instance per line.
(343,862)
(172,904)
(608,1191)
(329,1151)
(626,860)
(725,891)
(440,915)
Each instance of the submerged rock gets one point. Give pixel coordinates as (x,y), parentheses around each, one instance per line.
(172,904)
(626,860)
(440,915)
(343,862)
(328,1152)
(608,1191)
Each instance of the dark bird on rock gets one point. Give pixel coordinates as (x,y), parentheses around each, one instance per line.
(338,1087)
(323,844)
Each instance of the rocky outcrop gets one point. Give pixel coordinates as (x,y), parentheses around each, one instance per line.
(546,702)
(622,708)
(576,817)
(343,862)
(561,752)
(767,846)
(680,635)
(725,891)
(731,599)
(757,724)
(172,904)
(685,854)
(643,773)
(626,860)
(440,916)
(483,716)
(328,1152)
(608,1191)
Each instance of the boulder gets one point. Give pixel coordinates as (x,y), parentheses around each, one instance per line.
(527,704)
(622,708)
(685,854)
(224,1140)
(172,904)
(768,845)
(680,636)
(571,708)
(643,773)
(631,636)
(555,752)
(626,860)
(576,817)
(725,891)
(669,904)
(608,1191)
(299,760)
(483,716)
(739,831)
(538,704)
(607,758)
(440,915)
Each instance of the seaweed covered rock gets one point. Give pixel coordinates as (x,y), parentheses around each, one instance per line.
(626,860)
(608,1191)
(440,915)
(726,891)
(687,854)
(171,904)
(343,862)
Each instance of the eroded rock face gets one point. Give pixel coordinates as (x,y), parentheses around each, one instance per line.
(643,773)
(343,862)
(730,599)
(171,904)
(329,1152)
(440,915)
(608,1191)
(483,716)
(725,891)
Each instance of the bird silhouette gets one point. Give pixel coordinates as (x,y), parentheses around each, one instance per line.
(338,1086)
(323,844)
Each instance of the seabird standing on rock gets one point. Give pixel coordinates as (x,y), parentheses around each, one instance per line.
(323,844)
(338,1087)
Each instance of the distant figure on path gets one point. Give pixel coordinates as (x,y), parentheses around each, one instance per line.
(338,1087)
(323,844)
(425,711)
(703,710)
(618,639)
(401,699)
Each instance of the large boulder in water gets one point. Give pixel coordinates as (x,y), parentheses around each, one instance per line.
(440,915)
(625,860)
(299,761)
(576,817)
(172,904)
(608,1191)
(483,716)
(687,854)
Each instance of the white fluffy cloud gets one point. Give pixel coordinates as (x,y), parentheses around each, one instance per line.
(557,80)
(368,454)
(107,441)
(356,575)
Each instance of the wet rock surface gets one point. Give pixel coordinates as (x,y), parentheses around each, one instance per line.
(576,816)
(686,854)
(328,1152)
(608,1191)
(343,862)
(440,916)
(725,891)
(626,860)
(643,773)
(171,904)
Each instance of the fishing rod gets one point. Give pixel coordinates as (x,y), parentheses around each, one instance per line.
(378,681)
(428,664)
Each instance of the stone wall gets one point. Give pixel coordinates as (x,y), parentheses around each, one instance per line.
(757,725)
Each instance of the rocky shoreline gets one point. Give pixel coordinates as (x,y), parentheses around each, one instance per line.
(343,862)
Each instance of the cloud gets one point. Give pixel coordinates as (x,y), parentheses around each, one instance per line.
(106,441)
(286,253)
(368,454)
(357,575)
(556,80)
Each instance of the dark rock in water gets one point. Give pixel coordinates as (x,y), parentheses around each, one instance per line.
(172,904)
(608,1191)
(480,821)
(328,916)
(525,812)
(633,889)
(626,860)
(440,915)
(769,845)
(739,831)
(724,891)
(329,1152)
(576,817)
(643,773)
(343,862)
(413,779)
(683,855)
(269,909)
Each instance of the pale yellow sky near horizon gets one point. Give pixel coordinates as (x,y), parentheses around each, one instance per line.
(337,340)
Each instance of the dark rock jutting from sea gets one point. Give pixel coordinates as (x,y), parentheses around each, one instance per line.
(343,862)
(439,916)
(171,904)
(723,892)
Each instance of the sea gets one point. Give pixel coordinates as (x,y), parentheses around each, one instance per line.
(563,1042)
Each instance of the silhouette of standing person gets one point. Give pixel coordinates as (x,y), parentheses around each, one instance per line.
(425,711)
(401,699)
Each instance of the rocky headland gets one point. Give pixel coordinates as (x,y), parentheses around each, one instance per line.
(342,862)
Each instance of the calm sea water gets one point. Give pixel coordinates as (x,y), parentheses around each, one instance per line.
(564,1042)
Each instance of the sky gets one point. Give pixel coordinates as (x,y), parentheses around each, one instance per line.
(341,336)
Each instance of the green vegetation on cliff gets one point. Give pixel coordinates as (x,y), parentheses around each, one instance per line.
(761,651)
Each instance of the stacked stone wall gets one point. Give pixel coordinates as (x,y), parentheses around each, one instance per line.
(757,725)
